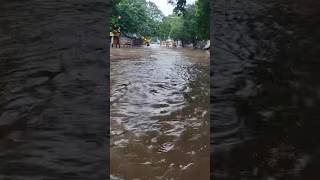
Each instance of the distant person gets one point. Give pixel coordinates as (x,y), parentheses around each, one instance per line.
(116,36)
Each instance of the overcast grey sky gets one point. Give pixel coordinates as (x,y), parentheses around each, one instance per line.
(165,7)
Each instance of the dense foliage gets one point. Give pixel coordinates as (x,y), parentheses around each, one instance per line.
(189,23)
(137,16)
(179,5)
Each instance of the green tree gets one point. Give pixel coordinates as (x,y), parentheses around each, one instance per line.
(179,5)
(203,18)
(137,16)
(191,22)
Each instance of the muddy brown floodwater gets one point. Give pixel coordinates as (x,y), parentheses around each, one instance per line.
(159,114)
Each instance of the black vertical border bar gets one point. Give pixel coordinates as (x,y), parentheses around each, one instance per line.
(54,89)
(211,88)
(298,53)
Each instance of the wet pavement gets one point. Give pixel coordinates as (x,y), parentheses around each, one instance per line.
(159,113)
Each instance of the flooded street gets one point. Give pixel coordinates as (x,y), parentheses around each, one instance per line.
(159,113)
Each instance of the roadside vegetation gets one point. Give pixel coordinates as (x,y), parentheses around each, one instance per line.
(188,23)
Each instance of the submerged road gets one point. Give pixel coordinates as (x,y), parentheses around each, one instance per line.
(159,113)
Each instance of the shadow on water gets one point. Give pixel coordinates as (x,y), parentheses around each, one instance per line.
(266,91)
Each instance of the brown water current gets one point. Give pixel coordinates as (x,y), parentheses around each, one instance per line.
(159,114)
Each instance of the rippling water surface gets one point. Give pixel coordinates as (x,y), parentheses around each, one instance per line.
(159,114)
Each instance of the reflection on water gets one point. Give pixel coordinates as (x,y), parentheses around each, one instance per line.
(159,114)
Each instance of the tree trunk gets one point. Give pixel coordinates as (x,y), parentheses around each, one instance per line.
(194,42)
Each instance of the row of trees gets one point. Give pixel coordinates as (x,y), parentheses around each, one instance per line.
(137,16)
(189,23)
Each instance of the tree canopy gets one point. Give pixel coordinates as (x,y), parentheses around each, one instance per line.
(137,16)
(179,5)
(188,23)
